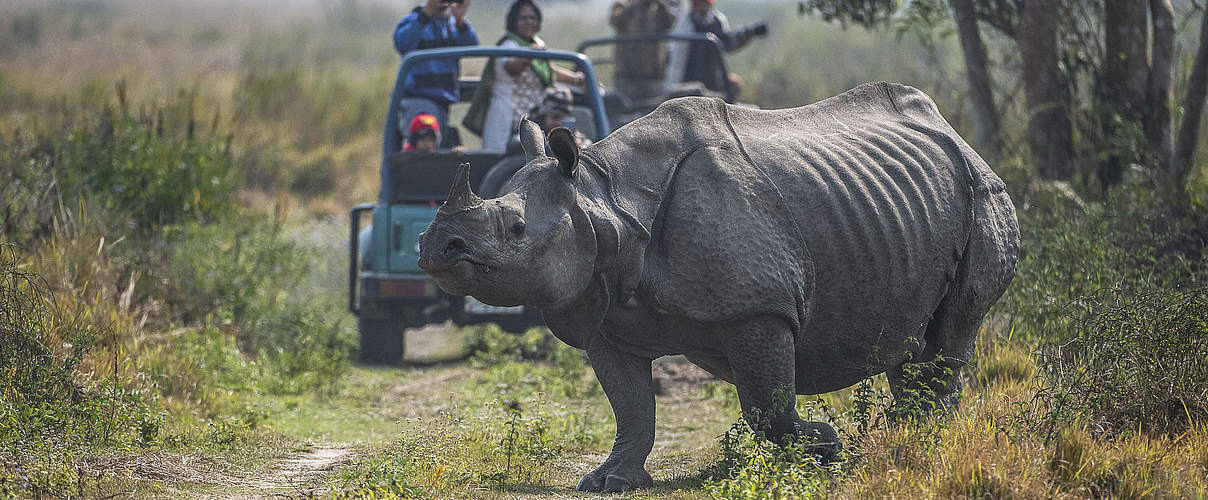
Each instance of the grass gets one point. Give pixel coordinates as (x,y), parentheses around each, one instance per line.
(179,334)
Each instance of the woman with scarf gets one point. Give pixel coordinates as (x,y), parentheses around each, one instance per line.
(514,84)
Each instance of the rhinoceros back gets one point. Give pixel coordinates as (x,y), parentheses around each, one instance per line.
(847,217)
(882,188)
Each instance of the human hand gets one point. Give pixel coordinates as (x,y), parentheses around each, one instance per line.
(459,11)
(759,29)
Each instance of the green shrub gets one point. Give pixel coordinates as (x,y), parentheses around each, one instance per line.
(497,446)
(128,166)
(1132,241)
(197,364)
(50,416)
(1139,360)
(754,468)
(246,278)
(489,345)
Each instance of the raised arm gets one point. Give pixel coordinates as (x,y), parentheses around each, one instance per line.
(410,31)
(732,40)
(663,14)
(619,16)
(465,32)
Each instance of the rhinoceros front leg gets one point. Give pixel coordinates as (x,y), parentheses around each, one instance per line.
(626,380)
(763,359)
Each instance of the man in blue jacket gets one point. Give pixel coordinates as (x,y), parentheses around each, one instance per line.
(431,86)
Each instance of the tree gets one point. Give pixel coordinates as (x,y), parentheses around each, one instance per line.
(981,93)
(1159,121)
(1132,72)
(1193,108)
(1136,87)
(1050,131)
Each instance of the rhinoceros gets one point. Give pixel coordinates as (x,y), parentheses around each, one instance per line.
(796,250)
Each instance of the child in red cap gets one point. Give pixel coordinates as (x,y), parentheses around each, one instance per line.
(423,135)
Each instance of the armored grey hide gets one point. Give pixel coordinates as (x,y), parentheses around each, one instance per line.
(799,249)
(848,218)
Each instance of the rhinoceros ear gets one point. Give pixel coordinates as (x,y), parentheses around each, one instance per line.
(532,139)
(565,148)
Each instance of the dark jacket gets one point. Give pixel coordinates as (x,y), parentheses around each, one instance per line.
(701,65)
(435,79)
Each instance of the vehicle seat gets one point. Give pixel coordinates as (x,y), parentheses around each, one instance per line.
(426,177)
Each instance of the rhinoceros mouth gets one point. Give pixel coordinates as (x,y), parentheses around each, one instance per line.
(454,253)
(432,266)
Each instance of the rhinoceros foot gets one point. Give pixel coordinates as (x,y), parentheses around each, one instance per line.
(820,439)
(615,477)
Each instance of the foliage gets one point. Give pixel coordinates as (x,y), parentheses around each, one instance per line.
(246,278)
(535,364)
(753,468)
(127,165)
(488,344)
(867,13)
(502,447)
(124,317)
(1132,241)
(47,421)
(1137,362)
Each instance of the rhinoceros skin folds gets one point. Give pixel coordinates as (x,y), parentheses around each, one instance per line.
(791,251)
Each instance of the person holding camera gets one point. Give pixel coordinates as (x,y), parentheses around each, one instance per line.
(640,66)
(701,65)
(431,86)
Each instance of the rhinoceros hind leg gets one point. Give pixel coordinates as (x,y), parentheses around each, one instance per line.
(626,380)
(985,270)
(948,344)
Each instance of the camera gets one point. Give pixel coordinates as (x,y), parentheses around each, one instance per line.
(757,29)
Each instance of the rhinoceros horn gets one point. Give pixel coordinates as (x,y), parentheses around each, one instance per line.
(461,196)
(532,139)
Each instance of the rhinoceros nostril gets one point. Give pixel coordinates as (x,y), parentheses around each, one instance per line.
(456,244)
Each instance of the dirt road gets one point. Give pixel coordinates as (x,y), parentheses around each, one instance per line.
(374,405)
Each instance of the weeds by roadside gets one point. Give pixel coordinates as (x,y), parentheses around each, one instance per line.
(127,322)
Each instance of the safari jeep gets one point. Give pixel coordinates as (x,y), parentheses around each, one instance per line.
(387,290)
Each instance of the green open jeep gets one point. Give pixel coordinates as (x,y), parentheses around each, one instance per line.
(387,290)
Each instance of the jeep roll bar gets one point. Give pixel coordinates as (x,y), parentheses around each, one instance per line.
(392,137)
(719,50)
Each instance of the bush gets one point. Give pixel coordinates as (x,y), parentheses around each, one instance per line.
(490,345)
(50,416)
(1132,241)
(1138,361)
(128,166)
(499,446)
(246,278)
(752,468)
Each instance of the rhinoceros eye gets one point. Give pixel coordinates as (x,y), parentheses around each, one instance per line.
(518,228)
